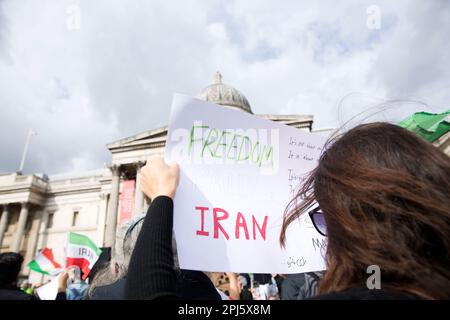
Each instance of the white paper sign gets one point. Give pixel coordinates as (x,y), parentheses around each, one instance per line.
(49,291)
(238,173)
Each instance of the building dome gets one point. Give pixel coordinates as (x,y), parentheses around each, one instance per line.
(225,95)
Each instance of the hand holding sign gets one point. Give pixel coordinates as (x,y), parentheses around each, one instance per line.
(159,179)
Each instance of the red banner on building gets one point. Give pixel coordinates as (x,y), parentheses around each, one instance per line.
(127,200)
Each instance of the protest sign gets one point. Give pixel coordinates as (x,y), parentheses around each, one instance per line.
(126,200)
(238,173)
(49,291)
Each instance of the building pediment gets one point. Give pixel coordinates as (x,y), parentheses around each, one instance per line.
(298,121)
(145,140)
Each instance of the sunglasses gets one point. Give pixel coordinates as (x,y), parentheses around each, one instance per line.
(318,220)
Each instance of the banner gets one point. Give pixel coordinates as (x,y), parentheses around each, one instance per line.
(127,200)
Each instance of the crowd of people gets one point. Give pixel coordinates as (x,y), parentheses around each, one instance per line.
(381,197)
(109,282)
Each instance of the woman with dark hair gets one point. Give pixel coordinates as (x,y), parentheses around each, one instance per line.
(383,196)
(384,199)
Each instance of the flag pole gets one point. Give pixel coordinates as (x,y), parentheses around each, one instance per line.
(25,149)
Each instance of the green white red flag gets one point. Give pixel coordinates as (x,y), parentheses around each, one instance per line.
(82,252)
(44,262)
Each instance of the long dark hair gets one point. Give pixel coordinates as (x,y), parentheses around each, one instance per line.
(385,197)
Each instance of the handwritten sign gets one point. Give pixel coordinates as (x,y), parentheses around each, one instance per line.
(238,173)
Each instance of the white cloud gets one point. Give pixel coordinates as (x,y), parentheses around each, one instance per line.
(80,89)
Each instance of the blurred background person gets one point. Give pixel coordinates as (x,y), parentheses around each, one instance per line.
(265,286)
(109,282)
(299,286)
(10,265)
(245,287)
(76,287)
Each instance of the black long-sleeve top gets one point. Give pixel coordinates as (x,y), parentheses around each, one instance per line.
(151,273)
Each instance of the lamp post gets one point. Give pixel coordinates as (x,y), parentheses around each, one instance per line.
(31,132)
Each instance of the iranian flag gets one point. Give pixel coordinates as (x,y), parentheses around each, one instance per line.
(82,252)
(44,262)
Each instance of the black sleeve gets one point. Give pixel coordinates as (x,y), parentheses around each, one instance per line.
(151,273)
(61,296)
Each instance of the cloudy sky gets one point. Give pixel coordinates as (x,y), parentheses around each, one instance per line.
(85,73)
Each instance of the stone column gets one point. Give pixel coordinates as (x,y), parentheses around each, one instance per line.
(41,241)
(34,232)
(138,195)
(111,223)
(103,213)
(18,236)
(3,223)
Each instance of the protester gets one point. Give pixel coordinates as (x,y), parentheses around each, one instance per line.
(291,287)
(300,286)
(10,265)
(245,287)
(109,282)
(195,285)
(221,282)
(76,287)
(383,196)
(279,278)
(148,259)
(226,283)
(103,260)
(62,285)
(384,202)
(151,272)
(264,285)
(235,288)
